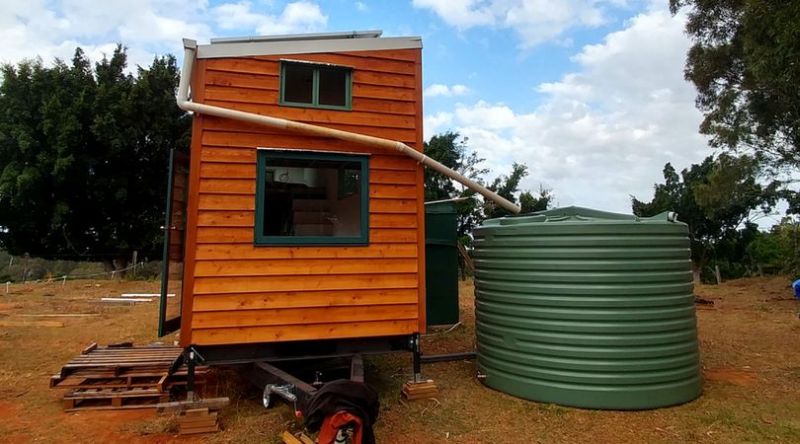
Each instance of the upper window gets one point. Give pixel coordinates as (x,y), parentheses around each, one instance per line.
(310,197)
(321,86)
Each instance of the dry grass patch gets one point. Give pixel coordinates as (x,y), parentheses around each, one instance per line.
(748,345)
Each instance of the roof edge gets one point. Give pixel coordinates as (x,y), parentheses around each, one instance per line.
(304,46)
(373,33)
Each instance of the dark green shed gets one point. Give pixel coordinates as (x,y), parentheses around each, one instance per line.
(441,263)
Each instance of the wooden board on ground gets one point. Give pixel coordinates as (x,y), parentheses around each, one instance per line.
(288,438)
(419,390)
(179,406)
(47,324)
(306,439)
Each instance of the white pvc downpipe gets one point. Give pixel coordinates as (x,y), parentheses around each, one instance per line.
(190,47)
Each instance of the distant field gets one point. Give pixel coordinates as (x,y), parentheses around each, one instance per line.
(748,342)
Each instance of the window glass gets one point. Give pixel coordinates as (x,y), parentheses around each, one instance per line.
(315,85)
(298,83)
(312,196)
(333,87)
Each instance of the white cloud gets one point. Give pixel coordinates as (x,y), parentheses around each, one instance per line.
(438,89)
(362,7)
(438,122)
(602,132)
(296,17)
(462,14)
(51,29)
(535,21)
(486,116)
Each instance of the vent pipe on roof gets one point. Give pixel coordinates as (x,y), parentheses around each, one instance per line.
(190,48)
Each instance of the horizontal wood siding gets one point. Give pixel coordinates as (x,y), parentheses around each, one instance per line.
(244,294)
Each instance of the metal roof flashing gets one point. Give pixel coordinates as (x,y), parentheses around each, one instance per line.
(305,44)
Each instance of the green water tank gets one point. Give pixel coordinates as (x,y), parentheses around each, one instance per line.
(587,308)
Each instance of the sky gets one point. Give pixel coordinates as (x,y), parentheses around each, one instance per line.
(589,94)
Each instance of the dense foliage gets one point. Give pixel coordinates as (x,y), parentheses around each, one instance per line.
(83,155)
(718,199)
(743,62)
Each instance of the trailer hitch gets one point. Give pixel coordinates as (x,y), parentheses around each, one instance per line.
(283,391)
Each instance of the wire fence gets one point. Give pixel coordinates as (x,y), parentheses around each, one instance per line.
(15,270)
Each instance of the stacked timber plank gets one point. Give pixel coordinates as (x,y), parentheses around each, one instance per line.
(121,377)
(197,421)
(299,438)
(419,390)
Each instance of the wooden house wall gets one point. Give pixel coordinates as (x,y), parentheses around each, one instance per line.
(236,292)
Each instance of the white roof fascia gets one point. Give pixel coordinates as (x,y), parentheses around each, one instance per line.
(256,48)
(312,36)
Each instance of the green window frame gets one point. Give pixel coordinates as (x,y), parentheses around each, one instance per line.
(262,162)
(315,86)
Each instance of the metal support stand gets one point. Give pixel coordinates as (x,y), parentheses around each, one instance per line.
(190,365)
(417,361)
(192,358)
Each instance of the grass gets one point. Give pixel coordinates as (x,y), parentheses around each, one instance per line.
(747,342)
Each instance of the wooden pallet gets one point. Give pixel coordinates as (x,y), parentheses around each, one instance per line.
(122,377)
(116,360)
(419,390)
(112,399)
(198,421)
(129,378)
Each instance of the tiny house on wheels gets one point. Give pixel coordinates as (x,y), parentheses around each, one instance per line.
(296,221)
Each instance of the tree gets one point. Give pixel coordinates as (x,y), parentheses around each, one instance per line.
(530,203)
(717,199)
(83,154)
(452,151)
(506,187)
(744,64)
(778,250)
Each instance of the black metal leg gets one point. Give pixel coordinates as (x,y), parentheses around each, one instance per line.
(417,358)
(190,364)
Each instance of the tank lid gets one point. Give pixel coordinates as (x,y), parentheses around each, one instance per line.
(574,214)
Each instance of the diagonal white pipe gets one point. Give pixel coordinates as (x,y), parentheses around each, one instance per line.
(190,48)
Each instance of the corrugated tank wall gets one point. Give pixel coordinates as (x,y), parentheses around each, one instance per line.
(588,309)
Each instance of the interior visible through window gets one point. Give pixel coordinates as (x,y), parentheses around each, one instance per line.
(311,196)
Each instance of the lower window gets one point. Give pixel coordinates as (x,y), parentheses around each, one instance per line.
(311,197)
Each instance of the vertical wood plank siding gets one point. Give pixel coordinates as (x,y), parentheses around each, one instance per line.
(239,293)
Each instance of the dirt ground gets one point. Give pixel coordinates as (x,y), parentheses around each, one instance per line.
(748,344)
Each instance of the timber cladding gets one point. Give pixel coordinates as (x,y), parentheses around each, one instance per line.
(236,292)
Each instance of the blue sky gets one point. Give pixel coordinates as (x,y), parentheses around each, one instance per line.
(588,93)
